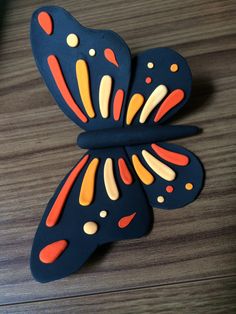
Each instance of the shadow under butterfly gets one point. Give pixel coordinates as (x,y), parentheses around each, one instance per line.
(129,168)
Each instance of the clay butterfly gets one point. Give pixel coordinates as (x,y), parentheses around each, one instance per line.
(121,103)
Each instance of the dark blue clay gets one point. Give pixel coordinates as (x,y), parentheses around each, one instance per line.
(107,138)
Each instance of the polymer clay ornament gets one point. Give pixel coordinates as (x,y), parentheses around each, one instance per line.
(122,104)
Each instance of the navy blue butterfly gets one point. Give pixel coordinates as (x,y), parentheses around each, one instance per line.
(121,103)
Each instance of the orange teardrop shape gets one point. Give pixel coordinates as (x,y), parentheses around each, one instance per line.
(126,220)
(45,21)
(52,251)
(110,56)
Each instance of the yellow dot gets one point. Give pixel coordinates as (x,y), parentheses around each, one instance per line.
(161,199)
(174,67)
(188,186)
(150,65)
(92,52)
(90,227)
(72,40)
(103,213)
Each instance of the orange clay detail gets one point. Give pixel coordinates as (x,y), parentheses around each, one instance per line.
(144,175)
(170,102)
(125,221)
(87,187)
(83,80)
(45,21)
(61,84)
(124,172)
(169,189)
(135,104)
(51,252)
(189,186)
(174,67)
(117,105)
(174,158)
(110,56)
(148,80)
(58,205)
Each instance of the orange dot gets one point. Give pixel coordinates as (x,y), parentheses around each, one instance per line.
(169,188)
(174,67)
(188,186)
(148,80)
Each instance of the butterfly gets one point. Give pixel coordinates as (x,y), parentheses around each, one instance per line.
(122,103)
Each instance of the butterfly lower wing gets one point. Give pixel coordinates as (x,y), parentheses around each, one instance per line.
(93,205)
(86,70)
(171,176)
(161,86)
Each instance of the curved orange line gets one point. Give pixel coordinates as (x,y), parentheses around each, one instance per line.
(170,102)
(124,172)
(174,158)
(61,84)
(58,205)
(117,105)
(88,184)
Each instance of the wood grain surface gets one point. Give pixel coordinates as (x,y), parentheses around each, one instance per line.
(187,263)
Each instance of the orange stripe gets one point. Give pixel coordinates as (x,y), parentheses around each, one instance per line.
(58,205)
(126,220)
(135,104)
(124,172)
(170,102)
(174,158)
(145,176)
(87,187)
(51,252)
(61,84)
(117,105)
(82,74)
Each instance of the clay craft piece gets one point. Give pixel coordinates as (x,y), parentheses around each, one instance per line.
(122,104)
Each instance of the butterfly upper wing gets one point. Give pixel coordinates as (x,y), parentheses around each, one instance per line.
(171,176)
(93,205)
(160,86)
(86,70)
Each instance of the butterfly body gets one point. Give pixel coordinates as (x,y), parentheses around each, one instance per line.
(122,104)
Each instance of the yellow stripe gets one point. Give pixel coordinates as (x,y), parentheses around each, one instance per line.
(82,75)
(109,180)
(135,104)
(153,100)
(144,175)
(87,186)
(104,95)
(157,166)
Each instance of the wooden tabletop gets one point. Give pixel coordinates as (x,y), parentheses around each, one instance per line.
(187,263)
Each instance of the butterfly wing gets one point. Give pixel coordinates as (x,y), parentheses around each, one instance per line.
(160,86)
(171,176)
(86,70)
(93,205)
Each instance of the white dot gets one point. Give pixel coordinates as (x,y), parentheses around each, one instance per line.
(90,227)
(160,199)
(92,52)
(103,213)
(72,40)
(150,65)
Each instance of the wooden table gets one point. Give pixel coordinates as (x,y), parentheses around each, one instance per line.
(187,263)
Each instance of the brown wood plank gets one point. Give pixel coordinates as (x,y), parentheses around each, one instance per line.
(38,147)
(207,296)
